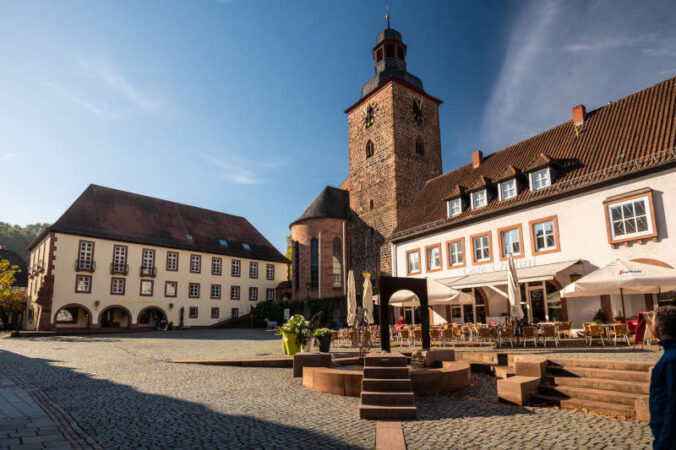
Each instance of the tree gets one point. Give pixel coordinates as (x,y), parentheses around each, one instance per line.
(17,238)
(12,300)
(289,254)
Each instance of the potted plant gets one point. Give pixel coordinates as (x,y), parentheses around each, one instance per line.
(323,338)
(600,317)
(295,334)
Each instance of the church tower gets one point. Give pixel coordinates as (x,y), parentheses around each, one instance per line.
(395,147)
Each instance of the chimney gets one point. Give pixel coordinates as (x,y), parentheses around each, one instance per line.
(579,113)
(477,156)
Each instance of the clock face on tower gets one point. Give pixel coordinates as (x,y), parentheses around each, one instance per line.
(418,117)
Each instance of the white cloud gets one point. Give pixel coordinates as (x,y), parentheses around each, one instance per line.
(98,111)
(233,170)
(561,54)
(113,78)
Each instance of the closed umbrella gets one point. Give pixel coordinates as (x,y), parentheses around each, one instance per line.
(514,290)
(351,299)
(367,299)
(623,277)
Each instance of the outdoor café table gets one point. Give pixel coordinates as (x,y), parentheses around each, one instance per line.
(607,327)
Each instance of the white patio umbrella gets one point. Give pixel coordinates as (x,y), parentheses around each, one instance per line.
(623,277)
(367,299)
(513,290)
(351,299)
(437,294)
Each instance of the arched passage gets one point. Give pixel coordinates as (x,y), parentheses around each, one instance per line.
(116,316)
(389,286)
(150,316)
(73,315)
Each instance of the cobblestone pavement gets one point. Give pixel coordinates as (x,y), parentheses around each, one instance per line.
(473,418)
(121,392)
(123,395)
(23,423)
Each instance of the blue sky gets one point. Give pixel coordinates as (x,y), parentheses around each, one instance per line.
(237,105)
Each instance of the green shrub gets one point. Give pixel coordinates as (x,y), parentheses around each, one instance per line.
(600,317)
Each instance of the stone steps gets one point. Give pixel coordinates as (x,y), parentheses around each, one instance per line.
(632,387)
(386,385)
(608,374)
(597,395)
(589,405)
(387,390)
(606,387)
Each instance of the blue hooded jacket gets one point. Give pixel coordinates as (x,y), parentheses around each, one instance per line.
(663,398)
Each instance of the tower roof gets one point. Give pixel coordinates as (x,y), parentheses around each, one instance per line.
(390,56)
(331,203)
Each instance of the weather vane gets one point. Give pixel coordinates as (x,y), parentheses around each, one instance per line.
(387,16)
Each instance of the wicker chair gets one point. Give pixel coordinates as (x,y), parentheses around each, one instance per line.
(466,333)
(530,333)
(596,331)
(506,333)
(549,331)
(417,336)
(404,334)
(620,330)
(564,328)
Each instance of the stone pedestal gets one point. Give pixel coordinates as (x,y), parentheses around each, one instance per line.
(434,357)
(310,360)
(517,389)
(530,365)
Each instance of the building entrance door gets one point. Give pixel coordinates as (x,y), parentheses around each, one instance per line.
(536,305)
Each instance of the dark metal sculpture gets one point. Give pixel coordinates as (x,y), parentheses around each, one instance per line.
(388,286)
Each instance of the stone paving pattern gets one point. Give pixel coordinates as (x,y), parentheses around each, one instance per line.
(122,393)
(23,423)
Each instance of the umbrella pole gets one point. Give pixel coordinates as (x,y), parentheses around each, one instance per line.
(624,314)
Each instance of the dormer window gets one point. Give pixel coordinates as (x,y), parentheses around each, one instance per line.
(507,189)
(454,207)
(223,242)
(246,246)
(540,179)
(479,199)
(189,237)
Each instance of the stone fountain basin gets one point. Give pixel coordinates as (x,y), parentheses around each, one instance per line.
(450,377)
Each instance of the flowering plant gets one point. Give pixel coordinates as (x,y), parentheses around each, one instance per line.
(322,333)
(298,326)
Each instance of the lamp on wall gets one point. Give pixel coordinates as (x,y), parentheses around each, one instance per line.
(171,306)
(96,304)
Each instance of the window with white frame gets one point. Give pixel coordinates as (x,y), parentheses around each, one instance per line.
(119,259)
(253,270)
(454,207)
(630,218)
(146,288)
(269,272)
(170,288)
(195,263)
(86,256)
(172,261)
(482,248)
(83,283)
(413,261)
(215,291)
(117,286)
(253,294)
(215,312)
(511,242)
(234,292)
(456,255)
(544,236)
(479,199)
(192,312)
(216,266)
(269,294)
(236,268)
(194,290)
(508,189)
(148,262)
(540,179)
(433,255)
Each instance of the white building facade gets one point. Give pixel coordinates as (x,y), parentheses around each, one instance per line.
(563,203)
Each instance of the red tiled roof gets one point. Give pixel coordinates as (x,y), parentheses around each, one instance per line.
(106,213)
(624,137)
(509,172)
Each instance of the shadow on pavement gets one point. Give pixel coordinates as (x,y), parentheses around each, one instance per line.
(119,416)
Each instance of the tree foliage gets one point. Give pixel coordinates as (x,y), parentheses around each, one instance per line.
(12,300)
(18,238)
(289,255)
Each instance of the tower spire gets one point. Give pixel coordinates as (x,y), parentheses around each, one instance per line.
(387,16)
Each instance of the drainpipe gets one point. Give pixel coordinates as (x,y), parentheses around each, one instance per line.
(344,262)
(319,263)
